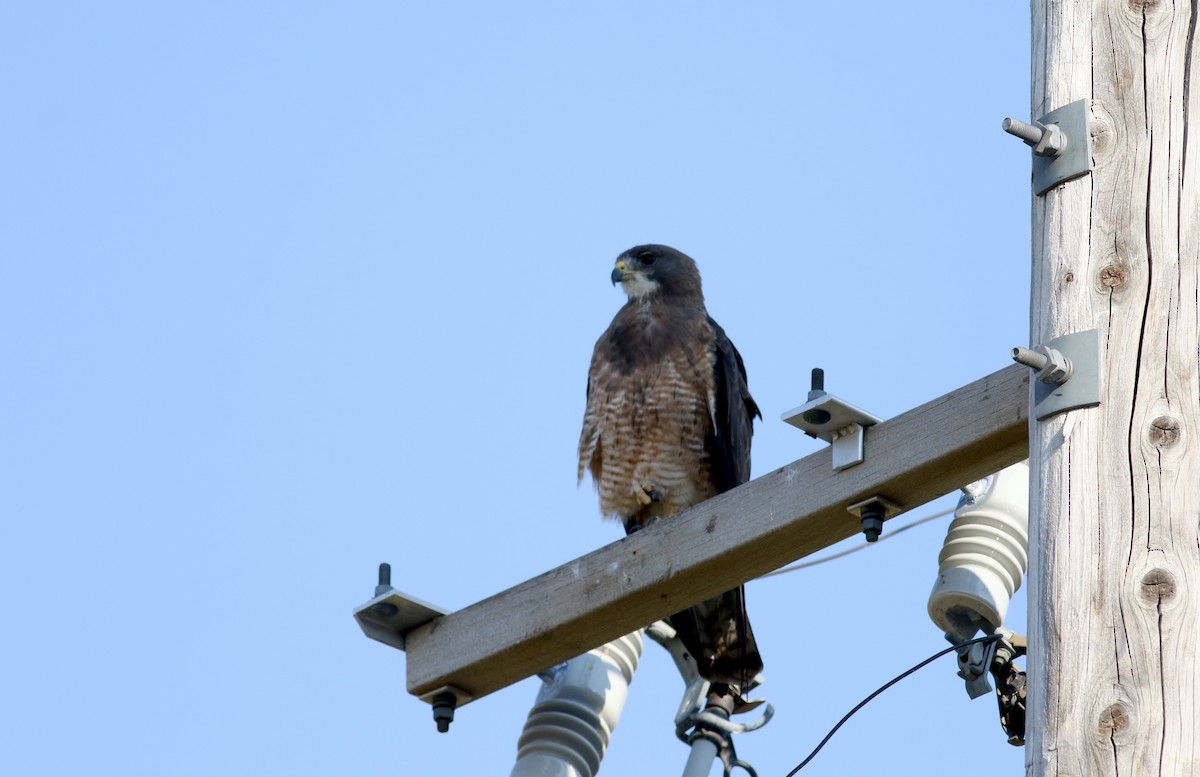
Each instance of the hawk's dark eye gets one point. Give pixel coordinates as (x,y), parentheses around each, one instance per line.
(646,258)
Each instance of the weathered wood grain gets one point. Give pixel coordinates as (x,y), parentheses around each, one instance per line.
(737,536)
(1114,525)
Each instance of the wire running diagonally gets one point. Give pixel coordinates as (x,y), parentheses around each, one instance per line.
(884,687)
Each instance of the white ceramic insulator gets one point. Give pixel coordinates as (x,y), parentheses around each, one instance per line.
(984,557)
(576,710)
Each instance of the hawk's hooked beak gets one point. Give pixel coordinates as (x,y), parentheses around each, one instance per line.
(620,272)
(635,282)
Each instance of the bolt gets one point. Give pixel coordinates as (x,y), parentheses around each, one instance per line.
(872,513)
(1025,132)
(1051,365)
(384,609)
(1031,359)
(817,416)
(1053,141)
(1046,139)
(443,710)
(872,521)
(385,579)
(818,383)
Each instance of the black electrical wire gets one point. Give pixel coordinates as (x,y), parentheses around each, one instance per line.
(888,684)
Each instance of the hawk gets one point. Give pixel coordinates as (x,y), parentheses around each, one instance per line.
(668,424)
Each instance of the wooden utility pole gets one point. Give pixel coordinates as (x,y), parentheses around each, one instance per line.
(1114,655)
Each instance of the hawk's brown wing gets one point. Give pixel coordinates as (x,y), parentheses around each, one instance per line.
(717,631)
(734,412)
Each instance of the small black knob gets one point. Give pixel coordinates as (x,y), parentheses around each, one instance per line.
(443,710)
(872,521)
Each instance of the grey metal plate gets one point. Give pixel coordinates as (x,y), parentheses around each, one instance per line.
(841,415)
(1083,387)
(1076,158)
(389,616)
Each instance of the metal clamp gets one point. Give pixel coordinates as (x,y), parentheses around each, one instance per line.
(1068,372)
(836,422)
(698,722)
(1010,687)
(1061,142)
(974,661)
(995,657)
(717,729)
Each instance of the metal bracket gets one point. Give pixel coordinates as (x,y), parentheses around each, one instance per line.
(388,617)
(1011,687)
(392,614)
(1062,144)
(694,721)
(974,662)
(995,657)
(833,420)
(1068,373)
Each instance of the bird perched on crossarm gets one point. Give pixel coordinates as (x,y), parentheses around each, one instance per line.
(668,425)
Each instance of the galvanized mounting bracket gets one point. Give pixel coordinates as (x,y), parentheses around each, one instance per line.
(1068,375)
(1061,142)
(833,420)
(388,617)
(392,614)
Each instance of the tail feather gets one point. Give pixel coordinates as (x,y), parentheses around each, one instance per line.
(717,633)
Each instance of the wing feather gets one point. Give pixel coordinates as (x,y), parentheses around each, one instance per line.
(734,411)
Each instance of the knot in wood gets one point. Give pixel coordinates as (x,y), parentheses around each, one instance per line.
(1069,277)
(1164,431)
(1112,276)
(1158,585)
(1113,720)
(1103,130)
(1143,5)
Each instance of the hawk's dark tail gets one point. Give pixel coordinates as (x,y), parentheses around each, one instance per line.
(717,633)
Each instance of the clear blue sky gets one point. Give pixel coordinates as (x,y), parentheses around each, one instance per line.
(290,289)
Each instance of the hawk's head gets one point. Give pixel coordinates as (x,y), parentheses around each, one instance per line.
(654,269)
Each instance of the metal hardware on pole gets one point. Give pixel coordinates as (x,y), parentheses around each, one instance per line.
(708,731)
